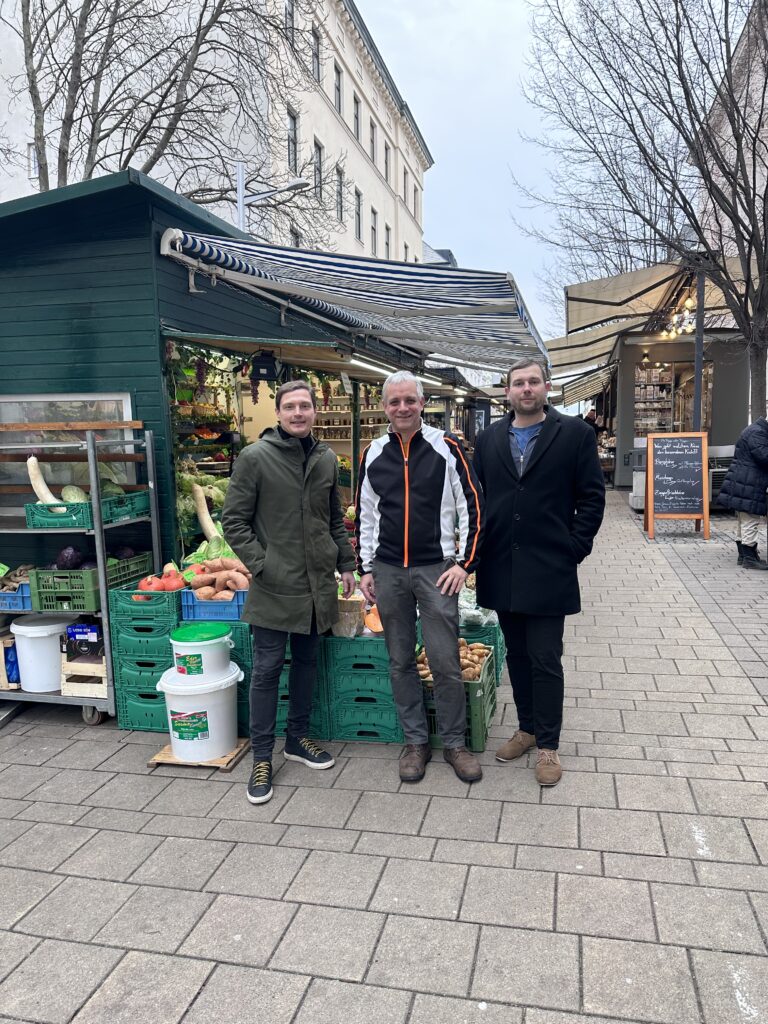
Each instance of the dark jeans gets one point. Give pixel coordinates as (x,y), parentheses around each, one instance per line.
(268,660)
(534,653)
(398,591)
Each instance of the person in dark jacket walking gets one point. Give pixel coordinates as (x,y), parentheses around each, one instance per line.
(744,490)
(545,497)
(282,515)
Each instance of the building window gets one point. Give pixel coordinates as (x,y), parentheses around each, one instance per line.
(405,251)
(33,165)
(356,116)
(405,185)
(387,242)
(416,202)
(374,232)
(358,215)
(372,143)
(387,161)
(295,237)
(337,88)
(293,141)
(290,21)
(339,194)
(317,159)
(315,43)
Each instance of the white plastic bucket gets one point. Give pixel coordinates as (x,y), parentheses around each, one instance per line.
(39,652)
(201,650)
(202,716)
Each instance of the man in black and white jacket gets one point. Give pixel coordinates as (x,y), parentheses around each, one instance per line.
(415,482)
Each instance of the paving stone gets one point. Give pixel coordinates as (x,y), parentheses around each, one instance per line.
(731,799)
(552,858)
(621,831)
(604,906)
(368,773)
(154,919)
(508,782)
(419,888)
(128,792)
(330,807)
(758,833)
(707,838)
(55,980)
(43,847)
(732,876)
(632,767)
(178,826)
(291,773)
(639,792)
(227,930)
(182,863)
(57,814)
(733,726)
(708,918)
(554,1017)
(131,758)
(385,845)
(428,956)
(10,808)
(35,749)
(330,1002)
(255,870)
(520,899)
(338,879)
(11,829)
(638,980)
(142,984)
(248,832)
(660,722)
(389,812)
(187,797)
(18,780)
(76,910)
(308,837)
(14,948)
(538,825)
(732,988)
(653,869)
(83,754)
(119,821)
(331,942)
(518,966)
(445,1010)
(462,819)
(240,995)
(462,851)
(114,855)
(441,780)
(582,789)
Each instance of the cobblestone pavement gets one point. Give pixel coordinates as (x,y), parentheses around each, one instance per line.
(636,890)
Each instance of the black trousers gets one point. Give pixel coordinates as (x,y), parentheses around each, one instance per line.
(534,659)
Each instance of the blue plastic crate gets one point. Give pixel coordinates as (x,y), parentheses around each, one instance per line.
(193,609)
(21,601)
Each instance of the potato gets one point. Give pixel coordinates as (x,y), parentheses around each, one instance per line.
(467,673)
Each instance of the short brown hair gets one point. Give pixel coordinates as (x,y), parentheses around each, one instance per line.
(295,385)
(533,360)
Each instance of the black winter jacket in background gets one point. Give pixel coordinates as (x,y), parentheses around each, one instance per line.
(747,478)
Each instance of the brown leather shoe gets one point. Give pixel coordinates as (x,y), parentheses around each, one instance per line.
(413,761)
(548,768)
(464,763)
(516,747)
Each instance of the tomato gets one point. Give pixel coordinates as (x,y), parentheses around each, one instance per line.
(151,583)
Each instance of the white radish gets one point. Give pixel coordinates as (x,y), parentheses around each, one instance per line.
(207,524)
(39,486)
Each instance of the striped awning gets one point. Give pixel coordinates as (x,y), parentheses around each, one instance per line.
(477,316)
(588,385)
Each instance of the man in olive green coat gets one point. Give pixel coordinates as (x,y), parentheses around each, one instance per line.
(283,518)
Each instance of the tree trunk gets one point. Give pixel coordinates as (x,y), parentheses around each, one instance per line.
(757,370)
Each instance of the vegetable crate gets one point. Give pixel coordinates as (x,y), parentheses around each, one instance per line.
(141,708)
(318,722)
(359,654)
(21,601)
(142,639)
(77,590)
(129,604)
(139,673)
(354,722)
(491,636)
(79,514)
(481,707)
(219,611)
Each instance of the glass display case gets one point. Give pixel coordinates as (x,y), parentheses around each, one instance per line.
(663,396)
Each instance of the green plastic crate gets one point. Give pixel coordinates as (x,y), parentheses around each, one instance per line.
(358,723)
(77,590)
(481,707)
(359,687)
(141,708)
(79,514)
(142,639)
(145,672)
(491,636)
(154,606)
(359,654)
(318,722)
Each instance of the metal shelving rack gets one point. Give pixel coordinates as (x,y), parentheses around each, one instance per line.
(94,708)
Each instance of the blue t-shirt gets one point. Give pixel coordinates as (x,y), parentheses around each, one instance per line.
(522,441)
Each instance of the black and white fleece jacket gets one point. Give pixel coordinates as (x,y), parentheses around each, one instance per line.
(409,498)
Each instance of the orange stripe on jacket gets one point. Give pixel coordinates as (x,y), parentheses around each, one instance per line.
(457,446)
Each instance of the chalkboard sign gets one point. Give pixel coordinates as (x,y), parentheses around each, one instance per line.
(677,479)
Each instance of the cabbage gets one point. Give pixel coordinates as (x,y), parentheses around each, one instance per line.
(205,479)
(72,494)
(184,482)
(111,490)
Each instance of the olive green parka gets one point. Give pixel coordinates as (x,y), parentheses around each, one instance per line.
(286,525)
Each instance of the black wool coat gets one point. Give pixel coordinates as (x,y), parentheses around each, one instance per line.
(747,477)
(540,525)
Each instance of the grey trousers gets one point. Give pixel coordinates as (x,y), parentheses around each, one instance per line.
(398,593)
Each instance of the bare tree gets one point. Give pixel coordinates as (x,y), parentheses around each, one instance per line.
(179,89)
(657,120)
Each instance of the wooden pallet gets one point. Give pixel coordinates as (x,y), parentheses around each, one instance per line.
(224,764)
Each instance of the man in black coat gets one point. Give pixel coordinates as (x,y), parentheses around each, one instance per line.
(744,490)
(545,497)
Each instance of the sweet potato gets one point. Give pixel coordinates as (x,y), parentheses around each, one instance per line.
(205,593)
(237,581)
(213,565)
(233,563)
(224,595)
(221,579)
(204,579)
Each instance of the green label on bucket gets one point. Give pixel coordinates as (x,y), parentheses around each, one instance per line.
(189,725)
(189,664)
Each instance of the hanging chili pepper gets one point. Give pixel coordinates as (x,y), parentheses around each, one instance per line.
(254,379)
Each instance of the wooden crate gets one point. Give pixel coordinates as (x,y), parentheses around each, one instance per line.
(7,639)
(84,677)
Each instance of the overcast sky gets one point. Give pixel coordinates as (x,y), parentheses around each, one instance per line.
(459,67)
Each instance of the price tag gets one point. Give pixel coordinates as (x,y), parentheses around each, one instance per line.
(347,384)
(4,569)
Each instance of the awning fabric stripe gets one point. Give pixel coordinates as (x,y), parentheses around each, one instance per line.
(588,385)
(456,311)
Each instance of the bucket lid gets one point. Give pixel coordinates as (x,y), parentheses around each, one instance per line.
(42,625)
(171,682)
(200,632)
